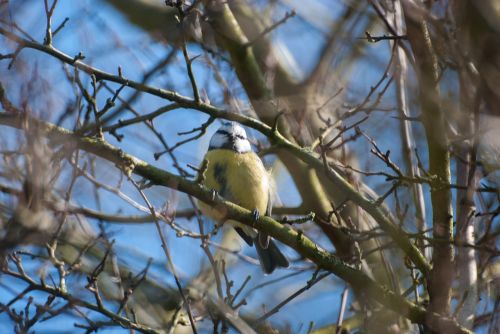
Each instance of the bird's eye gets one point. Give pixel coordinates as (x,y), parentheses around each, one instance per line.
(240,137)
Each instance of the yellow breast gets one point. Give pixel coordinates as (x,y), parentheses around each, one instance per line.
(239,177)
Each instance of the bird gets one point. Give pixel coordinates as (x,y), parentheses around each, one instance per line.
(236,173)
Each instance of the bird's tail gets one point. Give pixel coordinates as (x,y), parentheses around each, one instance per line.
(270,257)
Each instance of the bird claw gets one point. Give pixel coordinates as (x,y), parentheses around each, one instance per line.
(214,194)
(256,215)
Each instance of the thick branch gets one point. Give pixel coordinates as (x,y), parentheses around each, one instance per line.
(439,165)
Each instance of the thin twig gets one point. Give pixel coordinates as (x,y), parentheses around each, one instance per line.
(267,30)
(48,14)
(375,39)
(343,305)
(315,279)
(167,254)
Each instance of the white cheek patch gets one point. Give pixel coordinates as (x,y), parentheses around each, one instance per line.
(239,131)
(218,141)
(242,146)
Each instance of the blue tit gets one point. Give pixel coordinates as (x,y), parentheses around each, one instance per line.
(236,173)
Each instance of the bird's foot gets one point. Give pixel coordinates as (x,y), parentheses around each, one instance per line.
(256,216)
(214,194)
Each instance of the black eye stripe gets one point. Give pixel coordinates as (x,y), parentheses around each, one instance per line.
(226,133)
